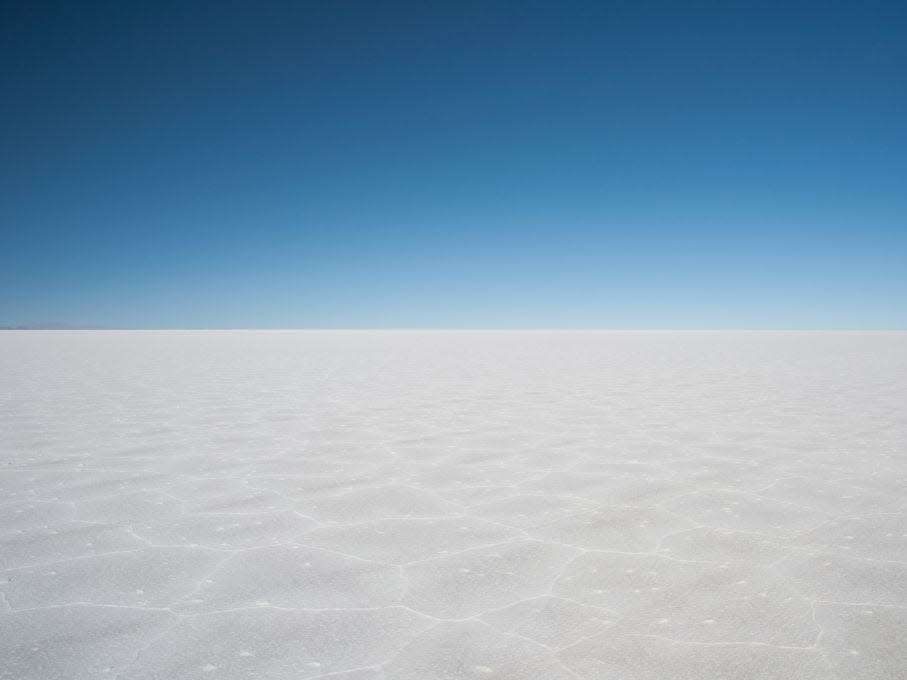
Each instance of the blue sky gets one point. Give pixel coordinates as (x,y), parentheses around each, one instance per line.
(503,165)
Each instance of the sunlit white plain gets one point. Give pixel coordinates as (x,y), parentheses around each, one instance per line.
(419,505)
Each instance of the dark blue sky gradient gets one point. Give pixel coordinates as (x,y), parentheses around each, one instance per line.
(560,164)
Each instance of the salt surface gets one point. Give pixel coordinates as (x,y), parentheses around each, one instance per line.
(414,505)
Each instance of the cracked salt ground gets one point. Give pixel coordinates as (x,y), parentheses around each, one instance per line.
(410,506)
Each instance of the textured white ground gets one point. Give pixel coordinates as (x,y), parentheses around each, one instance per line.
(410,506)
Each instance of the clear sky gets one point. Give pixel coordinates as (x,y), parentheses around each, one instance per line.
(456,164)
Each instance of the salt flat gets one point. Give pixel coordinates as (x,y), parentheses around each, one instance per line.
(417,505)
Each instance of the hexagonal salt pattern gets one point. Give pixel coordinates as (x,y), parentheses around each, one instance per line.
(453,505)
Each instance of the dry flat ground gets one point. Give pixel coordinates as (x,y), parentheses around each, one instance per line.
(488,505)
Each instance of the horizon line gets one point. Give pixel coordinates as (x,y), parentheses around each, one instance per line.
(296,329)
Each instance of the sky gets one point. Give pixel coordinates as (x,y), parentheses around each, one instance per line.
(454,165)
